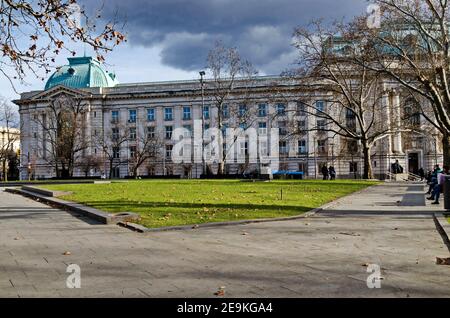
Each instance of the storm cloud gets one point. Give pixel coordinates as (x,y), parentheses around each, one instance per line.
(185,30)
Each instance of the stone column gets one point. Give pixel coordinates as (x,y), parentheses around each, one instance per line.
(397,122)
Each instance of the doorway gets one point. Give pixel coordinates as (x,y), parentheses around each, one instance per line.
(413,162)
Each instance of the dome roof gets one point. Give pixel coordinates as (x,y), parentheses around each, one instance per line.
(82,72)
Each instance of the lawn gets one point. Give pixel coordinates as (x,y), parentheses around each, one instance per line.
(179,202)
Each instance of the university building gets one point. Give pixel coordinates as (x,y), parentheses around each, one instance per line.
(140,109)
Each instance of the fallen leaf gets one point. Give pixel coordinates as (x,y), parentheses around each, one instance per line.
(350,234)
(67,253)
(220,292)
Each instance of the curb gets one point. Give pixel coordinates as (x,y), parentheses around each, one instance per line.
(443,227)
(92,213)
(142,229)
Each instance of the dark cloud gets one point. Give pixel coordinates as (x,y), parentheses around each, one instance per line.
(187,29)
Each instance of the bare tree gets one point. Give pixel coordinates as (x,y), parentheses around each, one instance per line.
(412,47)
(63,139)
(9,136)
(89,162)
(111,144)
(232,80)
(142,150)
(337,68)
(45,28)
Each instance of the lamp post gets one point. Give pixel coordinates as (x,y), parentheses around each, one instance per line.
(315,158)
(202,73)
(435,149)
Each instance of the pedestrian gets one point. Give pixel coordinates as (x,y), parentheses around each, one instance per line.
(439,186)
(434,178)
(332,173)
(325,172)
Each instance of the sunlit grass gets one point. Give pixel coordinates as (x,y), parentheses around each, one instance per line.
(180,202)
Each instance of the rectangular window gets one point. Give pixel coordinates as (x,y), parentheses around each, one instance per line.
(115,116)
(150,114)
(281,109)
(262,110)
(150,132)
(282,128)
(225,111)
(321,124)
(242,110)
(132,115)
(169,149)
(116,152)
(262,128)
(302,146)
(115,134)
(301,109)
(206,112)
(168,113)
(320,106)
(283,147)
(188,131)
(132,151)
(186,113)
(353,167)
(263,151)
(321,146)
(243,148)
(169,130)
(301,125)
(133,133)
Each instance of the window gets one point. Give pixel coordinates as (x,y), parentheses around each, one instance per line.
(115,116)
(168,113)
(353,167)
(262,128)
(225,111)
(132,116)
(283,148)
(132,151)
(224,129)
(352,146)
(206,112)
(321,124)
(303,167)
(281,109)
(116,152)
(282,128)
(302,146)
(320,106)
(115,134)
(262,110)
(186,113)
(188,131)
(301,125)
(169,149)
(321,146)
(150,132)
(243,148)
(95,114)
(263,151)
(242,110)
(151,114)
(133,133)
(301,109)
(169,130)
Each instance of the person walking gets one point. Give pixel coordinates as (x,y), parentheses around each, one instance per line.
(325,172)
(332,173)
(439,186)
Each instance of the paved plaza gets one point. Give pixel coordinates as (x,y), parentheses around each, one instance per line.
(322,256)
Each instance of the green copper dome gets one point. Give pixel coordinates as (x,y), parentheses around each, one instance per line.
(82,72)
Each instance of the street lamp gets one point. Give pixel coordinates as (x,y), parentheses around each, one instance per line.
(202,73)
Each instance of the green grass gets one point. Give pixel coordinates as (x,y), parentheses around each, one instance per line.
(179,202)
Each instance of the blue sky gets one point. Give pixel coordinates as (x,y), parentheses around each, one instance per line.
(170,39)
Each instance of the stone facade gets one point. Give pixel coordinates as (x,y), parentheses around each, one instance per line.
(143,105)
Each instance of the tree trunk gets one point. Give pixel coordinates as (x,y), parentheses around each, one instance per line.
(110,169)
(5,173)
(368,174)
(221,168)
(446,150)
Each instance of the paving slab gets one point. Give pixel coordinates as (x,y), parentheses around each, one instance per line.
(321,256)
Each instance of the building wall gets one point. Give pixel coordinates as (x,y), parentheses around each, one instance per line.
(176,95)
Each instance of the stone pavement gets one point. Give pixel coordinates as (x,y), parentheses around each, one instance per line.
(322,256)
